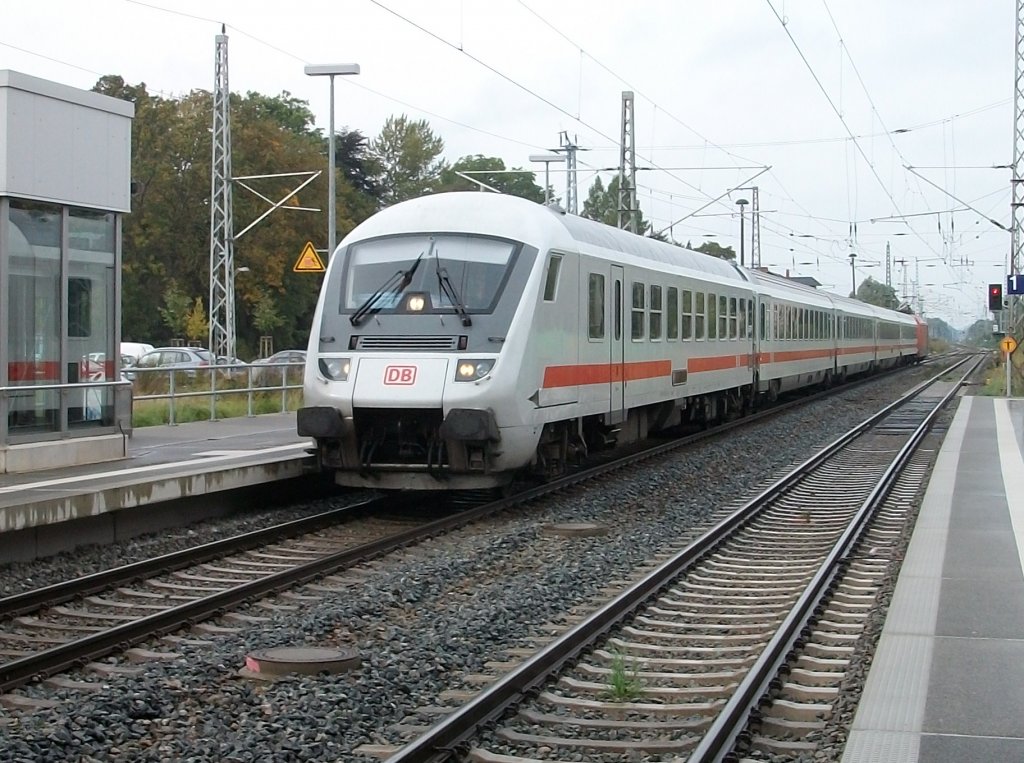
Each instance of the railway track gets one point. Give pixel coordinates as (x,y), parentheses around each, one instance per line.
(42,634)
(734,646)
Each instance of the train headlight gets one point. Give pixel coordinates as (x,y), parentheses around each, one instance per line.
(415,303)
(471,370)
(335,369)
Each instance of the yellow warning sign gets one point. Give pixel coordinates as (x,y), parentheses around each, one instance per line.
(309,261)
(1007,344)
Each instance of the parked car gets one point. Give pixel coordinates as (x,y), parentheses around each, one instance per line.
(133,351)
(187,358)
(266,372)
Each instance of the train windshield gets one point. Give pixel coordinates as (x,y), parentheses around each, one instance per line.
(475,268)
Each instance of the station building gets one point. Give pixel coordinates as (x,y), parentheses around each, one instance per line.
(65,183)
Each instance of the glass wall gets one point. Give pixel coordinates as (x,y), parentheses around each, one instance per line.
(57,256)
(33,320)
(90,316)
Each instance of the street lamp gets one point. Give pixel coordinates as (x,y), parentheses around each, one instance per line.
(547,159)
(741,203)
(330,70)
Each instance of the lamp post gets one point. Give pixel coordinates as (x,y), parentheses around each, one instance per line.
(547,159)
(330,70)
(741,203)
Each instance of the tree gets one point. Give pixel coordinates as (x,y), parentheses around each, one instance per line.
(165,239)
(174,313)
(407,154)
(716,250)
(875,293)
(980,334)
(603,205)
(519,183)
(197,327)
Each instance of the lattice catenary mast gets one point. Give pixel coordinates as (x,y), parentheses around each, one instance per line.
(222,237)
(627,166)
(1015,315)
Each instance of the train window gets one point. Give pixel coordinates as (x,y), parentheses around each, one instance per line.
(79,307)
(712,316)
(698,316)
(655,312)
(764,319)
(551,282)
(595,306)
(733,317)
(687,314)
(618,309)
(672,313)
(723,317)
(637,322)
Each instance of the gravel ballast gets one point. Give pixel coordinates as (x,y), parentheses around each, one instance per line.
(420,620)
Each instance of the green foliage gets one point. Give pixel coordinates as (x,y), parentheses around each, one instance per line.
(939,329)
(623,683)
(197,326)
(175,310)
(522,183)
(148,413)
(716,250)
(602,204)
(979,334)
(167,235)
(265,316)
(875,293)
(406,152)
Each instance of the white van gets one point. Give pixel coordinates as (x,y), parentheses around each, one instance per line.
(132,351)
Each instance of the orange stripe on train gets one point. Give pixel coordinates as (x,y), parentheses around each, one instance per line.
(604,373)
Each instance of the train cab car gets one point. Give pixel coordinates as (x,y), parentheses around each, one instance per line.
(463,338)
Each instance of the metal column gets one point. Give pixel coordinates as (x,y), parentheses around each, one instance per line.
(222,245)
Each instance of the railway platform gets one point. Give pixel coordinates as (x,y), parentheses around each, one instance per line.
(163,467)
(947,681)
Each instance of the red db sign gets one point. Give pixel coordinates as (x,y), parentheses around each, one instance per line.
(402,375)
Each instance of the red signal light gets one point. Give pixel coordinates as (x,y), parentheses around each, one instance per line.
(995,296)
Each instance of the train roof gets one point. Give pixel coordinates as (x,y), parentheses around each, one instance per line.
(599,234)
(797,290)
(523,220)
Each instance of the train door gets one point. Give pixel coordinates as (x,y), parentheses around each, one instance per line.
(617,369)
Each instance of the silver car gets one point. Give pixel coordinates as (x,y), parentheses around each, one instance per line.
(188,358)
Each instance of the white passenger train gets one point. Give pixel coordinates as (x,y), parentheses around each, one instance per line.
(462,338)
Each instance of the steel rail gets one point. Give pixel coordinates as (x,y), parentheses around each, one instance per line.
(440,741)
(27,601)
(65,656)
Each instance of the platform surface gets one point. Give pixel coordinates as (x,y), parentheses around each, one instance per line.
(163,463)
(947,681)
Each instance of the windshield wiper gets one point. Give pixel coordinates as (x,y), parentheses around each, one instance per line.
(392,287)
(448,289)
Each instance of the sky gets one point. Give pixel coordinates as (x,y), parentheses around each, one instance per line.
(820,104)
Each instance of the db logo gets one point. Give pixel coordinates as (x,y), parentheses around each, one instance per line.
(405,375)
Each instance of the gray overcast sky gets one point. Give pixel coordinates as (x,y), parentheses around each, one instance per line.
(721,90)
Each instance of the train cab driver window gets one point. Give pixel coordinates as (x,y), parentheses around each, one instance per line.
(551,282)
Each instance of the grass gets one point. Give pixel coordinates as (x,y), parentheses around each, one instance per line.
(995,377)
(623,684)
(148,413)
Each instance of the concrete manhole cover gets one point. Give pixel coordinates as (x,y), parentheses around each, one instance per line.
(576,529)
(307,660)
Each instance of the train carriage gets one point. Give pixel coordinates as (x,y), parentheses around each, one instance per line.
(462,338)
